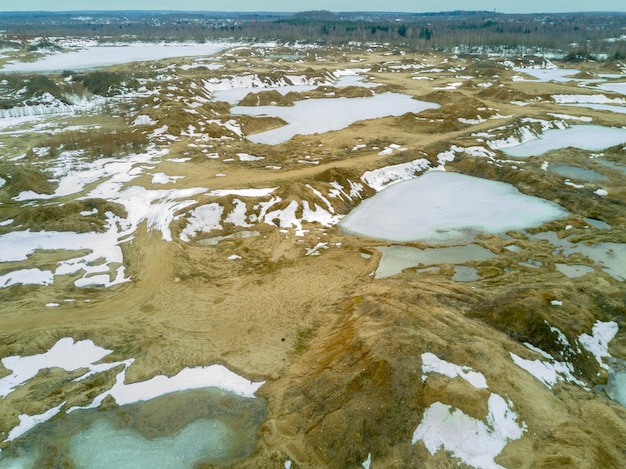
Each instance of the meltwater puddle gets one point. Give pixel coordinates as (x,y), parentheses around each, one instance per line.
(180,430)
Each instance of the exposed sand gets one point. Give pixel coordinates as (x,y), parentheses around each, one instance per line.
(340,351)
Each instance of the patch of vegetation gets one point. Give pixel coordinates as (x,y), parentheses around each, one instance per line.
(44,44)
(78,216)
(26,178)
(579,55)
(95,143)
(6,44)
(107,83)
(22,89)
(303,339)
(527,315)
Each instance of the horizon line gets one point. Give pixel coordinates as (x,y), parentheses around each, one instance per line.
(303,11)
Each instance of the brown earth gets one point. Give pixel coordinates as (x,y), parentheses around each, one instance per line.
(341,352)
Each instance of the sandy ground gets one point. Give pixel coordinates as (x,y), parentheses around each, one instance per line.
(340,351)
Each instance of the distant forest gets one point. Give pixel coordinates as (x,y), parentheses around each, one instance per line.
(581,35)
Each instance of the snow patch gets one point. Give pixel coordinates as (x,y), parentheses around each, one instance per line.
(433,364)
(473,441)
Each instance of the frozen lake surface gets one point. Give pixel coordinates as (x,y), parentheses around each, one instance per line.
(616,87)
(103,56)
(323,115)
(441,207)
(601,107)
(586,137)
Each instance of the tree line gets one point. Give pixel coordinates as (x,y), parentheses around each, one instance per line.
(599,33)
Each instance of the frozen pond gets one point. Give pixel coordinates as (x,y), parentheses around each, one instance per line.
(615,87)
(323,115)
(235,94)
(395,259)
(574,172)
(601,107)
(549,74)
(440,207)
(573,271)
(102,56)
(616,385)
(178,430)
(586,137)
(202,414)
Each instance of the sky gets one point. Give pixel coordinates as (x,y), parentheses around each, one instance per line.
(503,6)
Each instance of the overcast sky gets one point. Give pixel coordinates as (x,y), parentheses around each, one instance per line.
(504,6)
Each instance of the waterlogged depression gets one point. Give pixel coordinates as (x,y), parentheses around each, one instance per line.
(178,430)
(205,414)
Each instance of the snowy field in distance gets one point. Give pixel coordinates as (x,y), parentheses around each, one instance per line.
(102,56)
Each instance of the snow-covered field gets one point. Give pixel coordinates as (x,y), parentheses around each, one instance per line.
(102,56)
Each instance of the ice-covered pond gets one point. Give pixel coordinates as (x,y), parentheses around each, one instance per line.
(442,207)
(586,137)
(616,87)
(323,115)
(397,258)
(178,430)
(202,414)
(102,56)
(548,74)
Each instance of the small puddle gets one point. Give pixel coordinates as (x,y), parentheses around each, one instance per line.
(395,259)
(614,166)
(463,273)
(574,172)
(601,225)
(615,387)
(573,271)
